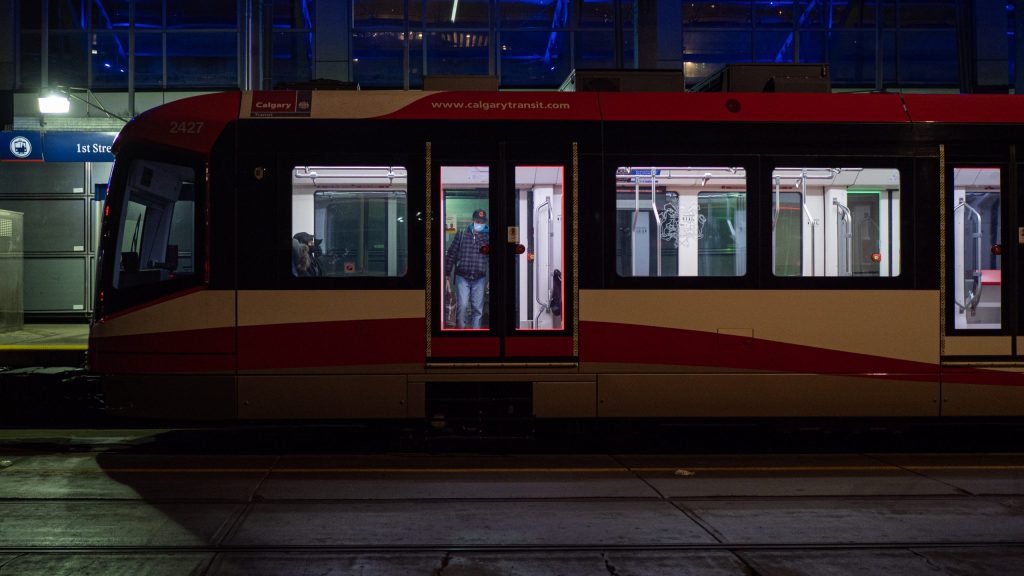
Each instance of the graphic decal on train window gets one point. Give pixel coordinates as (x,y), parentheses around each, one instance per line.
(349,221)
(977,247)
(681,221)
(158,225)
(835,222)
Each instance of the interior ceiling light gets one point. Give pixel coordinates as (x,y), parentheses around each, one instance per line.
(455,8)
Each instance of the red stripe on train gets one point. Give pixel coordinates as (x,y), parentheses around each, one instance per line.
(345,343)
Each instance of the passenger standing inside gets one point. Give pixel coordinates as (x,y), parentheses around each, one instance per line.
(304,255)
(467,257)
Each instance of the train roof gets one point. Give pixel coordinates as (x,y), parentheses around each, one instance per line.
(195,123)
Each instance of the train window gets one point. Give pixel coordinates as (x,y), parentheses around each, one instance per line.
(157,227)
(977,274)
(349,221)
(465,242)
(836,222)
(681,221)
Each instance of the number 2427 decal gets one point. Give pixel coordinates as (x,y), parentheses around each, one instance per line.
(186,127)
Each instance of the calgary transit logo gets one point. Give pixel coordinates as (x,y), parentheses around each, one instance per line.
(277,104)
(21,147)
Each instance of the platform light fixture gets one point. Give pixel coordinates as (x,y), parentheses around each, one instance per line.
(54,103)
(57,100)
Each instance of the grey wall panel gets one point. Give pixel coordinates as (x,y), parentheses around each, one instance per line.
(55,284)
(32,178)
(51,225)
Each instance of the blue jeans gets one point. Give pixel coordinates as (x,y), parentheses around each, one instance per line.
(470,295)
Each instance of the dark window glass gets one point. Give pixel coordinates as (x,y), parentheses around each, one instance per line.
(769,13)
(811,47)
(377,59)
(66,15)
(773,46)
(415,59)
(533,13)
(852,56)
(457,53)
(201,14)
(457,13)
(810,13)
(595,49)
(598,14)
(627,13)
(297,14)
(31,14)
(928,13)
(719,46)
(109,14)
(110,59)
(30,60)
(715,13)
(928,57)
(862,13)
(534,59)
(149,66)
(202,59)
(293,57)
(378,14)
(68,58)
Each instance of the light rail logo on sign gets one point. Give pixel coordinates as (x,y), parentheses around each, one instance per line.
(21,147)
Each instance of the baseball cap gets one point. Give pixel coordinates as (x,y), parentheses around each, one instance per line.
(480,215)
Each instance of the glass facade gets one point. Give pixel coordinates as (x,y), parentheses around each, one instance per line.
(197,44)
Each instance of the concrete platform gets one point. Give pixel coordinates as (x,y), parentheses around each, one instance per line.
(89,501)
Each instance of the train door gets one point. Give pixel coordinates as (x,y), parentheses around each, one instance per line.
(500,277)
(978,294)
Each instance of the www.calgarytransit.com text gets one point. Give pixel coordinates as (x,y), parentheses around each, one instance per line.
(501,105)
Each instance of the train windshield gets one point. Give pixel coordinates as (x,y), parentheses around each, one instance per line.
(157,225)
(681,221)
(836,222)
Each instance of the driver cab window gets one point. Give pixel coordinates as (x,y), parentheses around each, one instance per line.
(157,227)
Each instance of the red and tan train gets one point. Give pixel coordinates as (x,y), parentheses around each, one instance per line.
(288,255)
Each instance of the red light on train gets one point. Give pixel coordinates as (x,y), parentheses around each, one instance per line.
(997,249)
(106,211)
(485,249)
(876,257)
(519,249)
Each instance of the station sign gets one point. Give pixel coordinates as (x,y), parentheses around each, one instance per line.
(21,146)
(29,146)
(78,146)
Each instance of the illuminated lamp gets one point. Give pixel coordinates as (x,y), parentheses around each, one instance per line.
(54,103)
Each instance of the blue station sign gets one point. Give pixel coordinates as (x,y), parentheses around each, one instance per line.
(78,146)
(28,146)
(21,146)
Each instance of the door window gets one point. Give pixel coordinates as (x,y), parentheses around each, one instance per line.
(465,247)
(539,248)
(977,271)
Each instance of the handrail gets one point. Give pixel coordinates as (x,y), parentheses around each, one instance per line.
(971,297)
(844,213)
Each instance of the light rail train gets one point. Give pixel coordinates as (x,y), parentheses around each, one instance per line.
(288,255)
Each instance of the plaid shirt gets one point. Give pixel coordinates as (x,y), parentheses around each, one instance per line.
(464,254)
